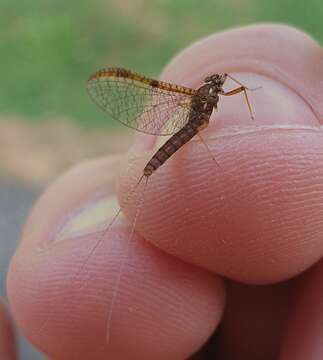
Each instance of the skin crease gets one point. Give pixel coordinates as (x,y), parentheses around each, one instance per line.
(256,219)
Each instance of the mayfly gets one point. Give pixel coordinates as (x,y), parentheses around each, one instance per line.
(157,108)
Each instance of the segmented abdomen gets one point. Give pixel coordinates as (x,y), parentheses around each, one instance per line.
(170,147)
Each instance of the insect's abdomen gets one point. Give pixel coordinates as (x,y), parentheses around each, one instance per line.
(170,147)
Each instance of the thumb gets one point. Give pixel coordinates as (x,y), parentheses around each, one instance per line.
(256,218)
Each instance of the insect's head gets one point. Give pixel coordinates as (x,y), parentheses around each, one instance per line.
(216,80)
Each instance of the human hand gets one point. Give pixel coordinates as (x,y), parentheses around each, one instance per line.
(256,219)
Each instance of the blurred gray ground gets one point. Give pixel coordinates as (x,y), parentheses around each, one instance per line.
(15,202)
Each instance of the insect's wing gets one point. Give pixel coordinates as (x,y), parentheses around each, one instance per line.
(147,105)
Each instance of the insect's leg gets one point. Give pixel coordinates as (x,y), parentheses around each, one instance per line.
(240,89)
(237,91)
(123,262)
(213,158)
(208,149)
(240,83)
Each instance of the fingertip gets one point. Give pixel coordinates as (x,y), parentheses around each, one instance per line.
(163,306)
(257,218)
(60,284)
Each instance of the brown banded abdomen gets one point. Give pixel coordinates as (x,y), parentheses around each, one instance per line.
(170,147)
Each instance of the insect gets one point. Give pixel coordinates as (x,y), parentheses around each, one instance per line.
(158,108)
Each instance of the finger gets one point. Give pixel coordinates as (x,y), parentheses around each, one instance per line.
(303,337)
(7,336)
(63,277)
(257,217)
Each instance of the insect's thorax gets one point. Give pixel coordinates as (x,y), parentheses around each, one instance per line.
(206,99)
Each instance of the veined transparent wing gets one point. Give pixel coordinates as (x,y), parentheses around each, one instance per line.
(147,105)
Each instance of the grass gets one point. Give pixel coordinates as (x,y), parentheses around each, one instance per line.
(49,48)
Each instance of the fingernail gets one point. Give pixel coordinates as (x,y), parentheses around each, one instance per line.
(90,218)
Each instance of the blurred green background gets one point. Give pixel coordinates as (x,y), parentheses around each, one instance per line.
(48,48)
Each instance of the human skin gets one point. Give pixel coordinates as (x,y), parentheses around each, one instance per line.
(237,244)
